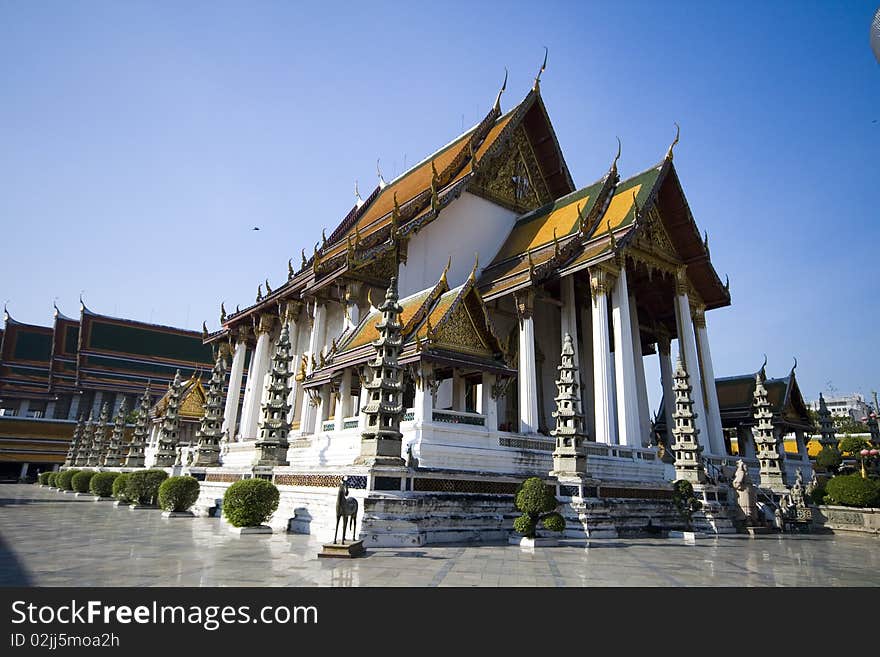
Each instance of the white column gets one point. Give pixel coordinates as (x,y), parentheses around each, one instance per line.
(585,365)
(233,392)
(527,379)
(602,381)
(24,470)
(50,410)
(664,352)
(74,406)
(323,407)
(802,445)
(459,391)
(316,343)
(568,314)
(489,405)
(23,407)
(745,442)
(351,310)
(688,351)
(293,329)
(344,405)
(624,365)
(256,379)
(96,403)
(423,404)
(707,373)
(641,387)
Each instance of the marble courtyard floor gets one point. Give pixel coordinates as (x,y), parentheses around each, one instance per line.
(51,539)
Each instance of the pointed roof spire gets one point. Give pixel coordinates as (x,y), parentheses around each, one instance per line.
(761,374)
(445,271)
(222,312)
(537,86)
(473,275)
(497,106)
(674,142)
(793,367)
(382,183)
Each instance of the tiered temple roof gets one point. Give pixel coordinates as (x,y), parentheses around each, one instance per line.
(25,355)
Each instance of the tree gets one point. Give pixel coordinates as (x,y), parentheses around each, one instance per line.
(685,501)
(852,445)
(538,504)
(845,424)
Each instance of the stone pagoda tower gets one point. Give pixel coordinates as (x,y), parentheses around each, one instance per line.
(381,440)
(210,432)
(75,443)
(114,456)
(272,443)
(569,457)
(768,447)
(135,457)
(685,435)
(826,425)
(166,454)
(85,444)
(101,438)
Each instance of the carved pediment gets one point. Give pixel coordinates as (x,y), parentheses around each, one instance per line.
(459,332)
(513,177)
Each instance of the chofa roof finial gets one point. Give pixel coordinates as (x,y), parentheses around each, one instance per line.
(537,85)
(382,183)
(358,201)
(497,105)
(674,142)
(616,157)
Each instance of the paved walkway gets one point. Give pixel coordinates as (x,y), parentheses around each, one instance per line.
(51,539)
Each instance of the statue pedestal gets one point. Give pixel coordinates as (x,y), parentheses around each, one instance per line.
(346,550)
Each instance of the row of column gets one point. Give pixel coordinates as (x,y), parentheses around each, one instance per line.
(618,392)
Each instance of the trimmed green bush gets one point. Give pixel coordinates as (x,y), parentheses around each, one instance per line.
(64,479)
(51,479)
(43,478)
(178,493)
(81,480)
(852,490)
(142,486)
(685,501)
(250,502)
(818,494)
(537,503)
(102,483)
(118,489)
(829,458)
(852,445)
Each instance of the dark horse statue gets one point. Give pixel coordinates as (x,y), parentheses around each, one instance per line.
(346,508)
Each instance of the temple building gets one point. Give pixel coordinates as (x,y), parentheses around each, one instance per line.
(52,376)
(447,293)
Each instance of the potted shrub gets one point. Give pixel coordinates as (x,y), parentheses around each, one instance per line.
(81,481)
(118,489)
(686,504)
(50,480)
(44,478)
(64,480)
(177,495)
(142,488)
(248,503)
(102,486)
(538,504)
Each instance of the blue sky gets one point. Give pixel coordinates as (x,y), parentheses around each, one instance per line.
(141,141)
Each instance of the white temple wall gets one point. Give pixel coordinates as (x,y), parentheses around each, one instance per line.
(468,225)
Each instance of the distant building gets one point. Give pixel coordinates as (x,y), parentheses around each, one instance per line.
(853,405)
(50,376)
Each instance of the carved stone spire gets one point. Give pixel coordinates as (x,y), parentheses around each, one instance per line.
(210,431)
(381,440)
(688,451)
(826,425)
(272,442)
(101,438)
(166,454)
(135,457)
(113,457)
(768,446)
(569,457)
(75,443)
(88,434)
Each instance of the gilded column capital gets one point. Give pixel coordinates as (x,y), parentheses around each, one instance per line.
(681,281)
(352,291)
(292,310)
(525,303)
(264,324)
(698,313)
(601,281)
(242,333)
